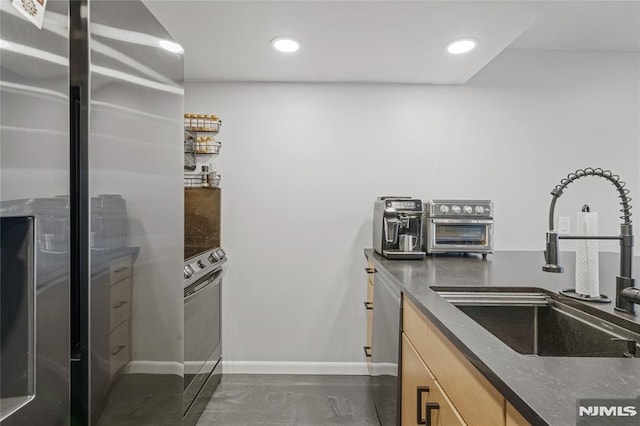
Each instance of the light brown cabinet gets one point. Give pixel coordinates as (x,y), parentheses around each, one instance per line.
(471,398)
(368,304)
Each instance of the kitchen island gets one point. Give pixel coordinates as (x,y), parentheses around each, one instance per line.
(543,390)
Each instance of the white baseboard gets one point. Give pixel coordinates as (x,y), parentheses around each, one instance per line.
(154,367)
(255,367)
(282,367)
(384,369)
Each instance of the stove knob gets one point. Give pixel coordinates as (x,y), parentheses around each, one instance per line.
(479,209)
(188,272)
(211,258)
(468,209)
(201,264)
(455,209)
(444,209)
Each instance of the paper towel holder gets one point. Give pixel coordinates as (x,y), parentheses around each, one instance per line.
(571,292)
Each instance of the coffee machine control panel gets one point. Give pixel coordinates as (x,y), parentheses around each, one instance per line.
(404,205)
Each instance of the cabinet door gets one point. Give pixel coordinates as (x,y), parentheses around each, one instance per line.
(421,394)
(514,418)
(474,397)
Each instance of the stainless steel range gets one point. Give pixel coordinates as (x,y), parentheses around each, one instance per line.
(202,330)
(458,226)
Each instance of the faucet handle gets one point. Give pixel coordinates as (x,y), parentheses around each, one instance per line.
(551,254)
(632,346)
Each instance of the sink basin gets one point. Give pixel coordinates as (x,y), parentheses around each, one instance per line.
(539,323)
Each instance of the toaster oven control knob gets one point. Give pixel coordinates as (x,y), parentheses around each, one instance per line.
(468,209)
(444,209)
(479,209)
(455,209)
(188,272)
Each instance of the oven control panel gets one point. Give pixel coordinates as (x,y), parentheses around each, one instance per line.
(203,263)
(459,208)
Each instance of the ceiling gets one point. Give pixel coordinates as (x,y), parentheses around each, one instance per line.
(382,41)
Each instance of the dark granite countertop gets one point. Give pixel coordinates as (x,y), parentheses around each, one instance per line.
(544,389)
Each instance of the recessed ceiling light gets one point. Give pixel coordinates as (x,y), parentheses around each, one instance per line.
(457,47)
(171,46)
(285,44)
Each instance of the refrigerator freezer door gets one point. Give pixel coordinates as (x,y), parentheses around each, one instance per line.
(135,160)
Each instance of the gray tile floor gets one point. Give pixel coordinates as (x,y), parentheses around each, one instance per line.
(292,400)
(143,400)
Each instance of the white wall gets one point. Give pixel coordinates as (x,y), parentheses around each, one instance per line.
(301,165)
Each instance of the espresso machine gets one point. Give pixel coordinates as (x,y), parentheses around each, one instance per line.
(397,227)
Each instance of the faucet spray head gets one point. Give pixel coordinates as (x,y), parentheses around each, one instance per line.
(551,254)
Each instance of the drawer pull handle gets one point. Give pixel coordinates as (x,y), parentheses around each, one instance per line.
(367,351)
(370,270)
(117,350)
(117,271)
(120,303)
(419,391)
(429,407)
(368,305)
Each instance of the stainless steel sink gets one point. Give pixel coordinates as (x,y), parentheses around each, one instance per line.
(536,322)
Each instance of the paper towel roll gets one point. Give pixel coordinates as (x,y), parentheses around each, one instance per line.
(587,271)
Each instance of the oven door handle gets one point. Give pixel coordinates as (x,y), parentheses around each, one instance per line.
(203,286)
(462,221)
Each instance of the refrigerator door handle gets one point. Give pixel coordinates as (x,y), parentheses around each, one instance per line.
(78,246)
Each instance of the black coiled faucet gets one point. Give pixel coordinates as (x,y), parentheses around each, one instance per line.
(626,293)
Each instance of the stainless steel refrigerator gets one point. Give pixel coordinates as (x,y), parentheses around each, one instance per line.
(91,211)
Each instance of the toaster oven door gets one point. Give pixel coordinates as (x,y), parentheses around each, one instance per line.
(460,235)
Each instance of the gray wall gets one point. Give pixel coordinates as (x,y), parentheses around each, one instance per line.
(301,165)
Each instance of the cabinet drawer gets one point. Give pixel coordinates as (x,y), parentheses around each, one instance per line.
(120,269)
(370,275)
(369,327)
(474,397)
(119,350)
(514,418)
(419,388)
(120,302)
(369,292)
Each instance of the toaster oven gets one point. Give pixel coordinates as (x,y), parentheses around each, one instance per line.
(458,226)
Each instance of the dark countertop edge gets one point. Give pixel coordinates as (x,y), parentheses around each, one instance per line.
(513,398)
